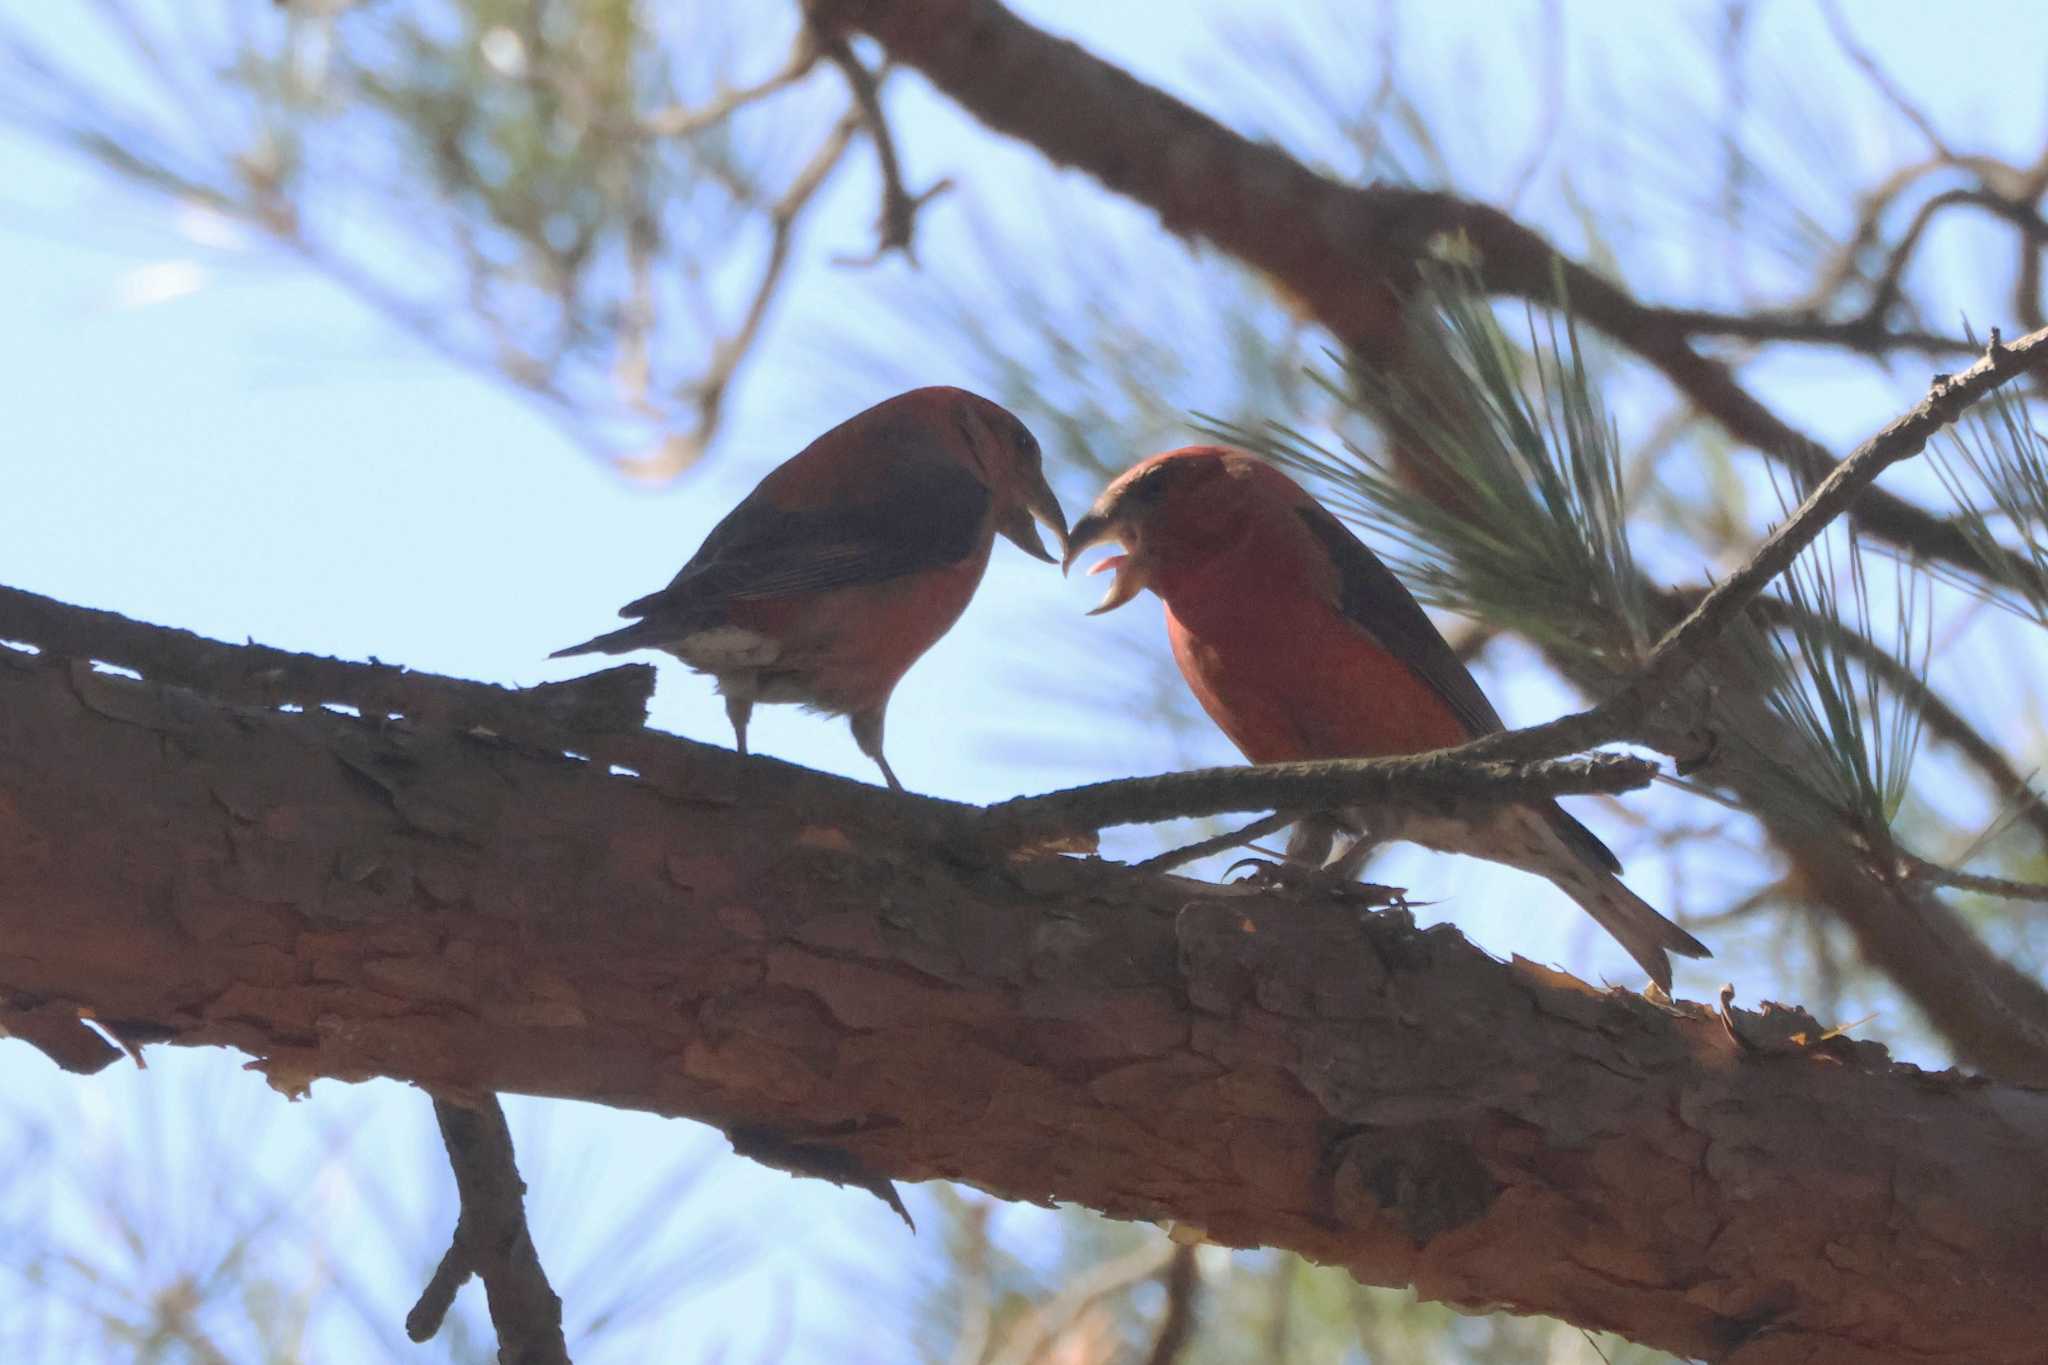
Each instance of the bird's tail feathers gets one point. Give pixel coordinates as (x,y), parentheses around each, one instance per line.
(621,641)
(1634,924)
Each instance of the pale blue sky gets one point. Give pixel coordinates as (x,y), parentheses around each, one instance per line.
(264,458)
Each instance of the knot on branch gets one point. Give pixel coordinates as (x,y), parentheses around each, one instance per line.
(1428,1181)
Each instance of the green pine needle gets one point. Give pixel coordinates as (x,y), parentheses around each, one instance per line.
(1994,463)
(1522,521)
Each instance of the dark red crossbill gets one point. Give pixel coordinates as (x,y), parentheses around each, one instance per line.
(1301,644)
(850,560)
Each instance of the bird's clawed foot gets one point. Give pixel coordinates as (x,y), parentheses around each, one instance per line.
(1268,875)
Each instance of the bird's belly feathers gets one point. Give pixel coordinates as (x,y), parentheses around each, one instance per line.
(1288,685)
(840,652)
(722,649)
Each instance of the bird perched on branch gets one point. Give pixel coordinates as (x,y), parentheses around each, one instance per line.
(850,560)
(1301,644)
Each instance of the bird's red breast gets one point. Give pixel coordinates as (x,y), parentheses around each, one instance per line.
(1294,637)
(1260,633)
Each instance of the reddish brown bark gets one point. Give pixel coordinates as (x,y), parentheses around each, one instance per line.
(1345,254)
(830,972)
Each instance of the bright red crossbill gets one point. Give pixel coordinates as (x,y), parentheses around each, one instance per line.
(850,560)
(1301,644)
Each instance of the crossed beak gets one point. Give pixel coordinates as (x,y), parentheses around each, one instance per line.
(1037,502)
(1130,567)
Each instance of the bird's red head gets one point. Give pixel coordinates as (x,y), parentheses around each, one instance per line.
(1177,510)
(992,442)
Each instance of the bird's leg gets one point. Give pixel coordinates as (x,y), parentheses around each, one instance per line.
(1348,864)
(1313,838)
(739,710)
(867,733)
(1308,848)
(1308,866)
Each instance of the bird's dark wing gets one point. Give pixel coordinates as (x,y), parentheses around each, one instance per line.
(1376,601)
(921,514)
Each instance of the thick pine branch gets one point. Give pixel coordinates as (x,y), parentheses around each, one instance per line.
(816,965)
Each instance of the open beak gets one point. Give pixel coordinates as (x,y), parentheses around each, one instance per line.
(1037,503)
(1130,567)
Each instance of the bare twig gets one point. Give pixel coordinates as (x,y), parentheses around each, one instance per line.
(898,223)
(1551,69)
(1881,80)
(2008,888)
(709,389)
(971,1264)
(491,1241)
(1041,1326)
(1221,843)
(1864,335)
(1440,779)
(681,122)
(1885,291)
(1177,1325)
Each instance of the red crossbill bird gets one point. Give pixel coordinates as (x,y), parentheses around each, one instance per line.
(1301,644)
(850,560)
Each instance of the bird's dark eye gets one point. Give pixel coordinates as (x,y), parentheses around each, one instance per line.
(1149,487)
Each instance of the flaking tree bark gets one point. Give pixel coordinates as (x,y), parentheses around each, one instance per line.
(855,986)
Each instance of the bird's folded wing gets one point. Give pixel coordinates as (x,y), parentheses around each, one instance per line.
(1375,601)
(917,516)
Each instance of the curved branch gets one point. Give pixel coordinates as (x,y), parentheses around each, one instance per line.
(346,900)
(1681,649)
(491,1242)
(1436,780)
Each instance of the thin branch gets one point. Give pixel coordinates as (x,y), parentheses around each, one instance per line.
(1885,292)
(1619,715)
(1552,68)
(1865,62)
(1864,335)
(970,1263)
(1411,781)
(1177,1325)
(491,1241)
(1922,869)
(1042,1326)
(898,222)
(1221,843)
(681,122)
(709,389)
